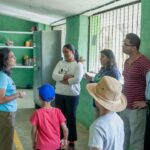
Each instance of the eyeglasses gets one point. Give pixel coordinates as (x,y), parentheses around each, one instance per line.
(124,44)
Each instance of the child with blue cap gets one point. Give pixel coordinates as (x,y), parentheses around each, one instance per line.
(46,123)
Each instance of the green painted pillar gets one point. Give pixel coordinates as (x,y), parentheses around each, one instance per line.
(43,27)
(72,30)
(145,27)
(77,33)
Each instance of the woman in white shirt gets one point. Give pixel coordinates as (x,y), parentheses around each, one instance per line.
(68,74)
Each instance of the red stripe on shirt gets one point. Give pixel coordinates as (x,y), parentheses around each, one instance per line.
(135,80)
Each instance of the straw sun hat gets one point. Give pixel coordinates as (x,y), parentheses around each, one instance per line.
(108,94)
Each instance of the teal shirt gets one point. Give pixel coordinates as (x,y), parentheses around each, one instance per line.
(7,83)
(113,72)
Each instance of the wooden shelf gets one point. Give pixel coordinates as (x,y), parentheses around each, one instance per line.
(16,47)
(16,32)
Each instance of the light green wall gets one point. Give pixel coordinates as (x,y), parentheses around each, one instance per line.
(145,27)
(83,36)
(85,112)
(11,23)
(77,33)
(21,77)
(43,27)
(72,30)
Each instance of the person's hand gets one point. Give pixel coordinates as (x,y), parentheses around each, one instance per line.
(64,82)
(89,78)
(33,146)
(67,76)
(139,104)
(22,94)
(63,143)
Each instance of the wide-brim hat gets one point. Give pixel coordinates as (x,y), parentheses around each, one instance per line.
(108,93)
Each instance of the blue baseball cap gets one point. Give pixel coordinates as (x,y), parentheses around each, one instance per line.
(47,92)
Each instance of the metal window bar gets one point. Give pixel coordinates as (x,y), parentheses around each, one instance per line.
(108,29)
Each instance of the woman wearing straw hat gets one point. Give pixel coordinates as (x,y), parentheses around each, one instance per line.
(107,131)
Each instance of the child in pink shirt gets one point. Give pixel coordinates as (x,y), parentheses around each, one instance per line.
(46,123)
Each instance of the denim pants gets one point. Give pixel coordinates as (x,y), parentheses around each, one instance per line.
(68,106)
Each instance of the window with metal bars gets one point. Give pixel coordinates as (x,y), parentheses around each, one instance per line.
(108,29)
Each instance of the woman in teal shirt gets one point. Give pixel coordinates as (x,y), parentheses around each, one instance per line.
(109,67)
(8,95)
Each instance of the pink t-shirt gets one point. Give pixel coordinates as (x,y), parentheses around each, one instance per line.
(48,123)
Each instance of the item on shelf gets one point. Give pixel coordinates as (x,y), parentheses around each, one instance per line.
(9,43)
(28,43)
(34,60)
(28,61)
(25,57)
(81,59)
(34,28)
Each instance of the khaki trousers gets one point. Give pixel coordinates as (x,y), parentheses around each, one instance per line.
(134,127)
(7,122)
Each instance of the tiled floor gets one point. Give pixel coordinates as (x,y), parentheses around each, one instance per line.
(23,127)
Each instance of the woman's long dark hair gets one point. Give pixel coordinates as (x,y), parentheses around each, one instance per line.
(4,53)
(72,48)
(110,55)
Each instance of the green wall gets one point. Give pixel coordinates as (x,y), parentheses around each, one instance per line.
(72,30)
(145,27)
(85,112)
(43,27)
(77,33)
(22,77)
(11,23)
(83,36)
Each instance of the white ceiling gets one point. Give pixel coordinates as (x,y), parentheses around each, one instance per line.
(48,11)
